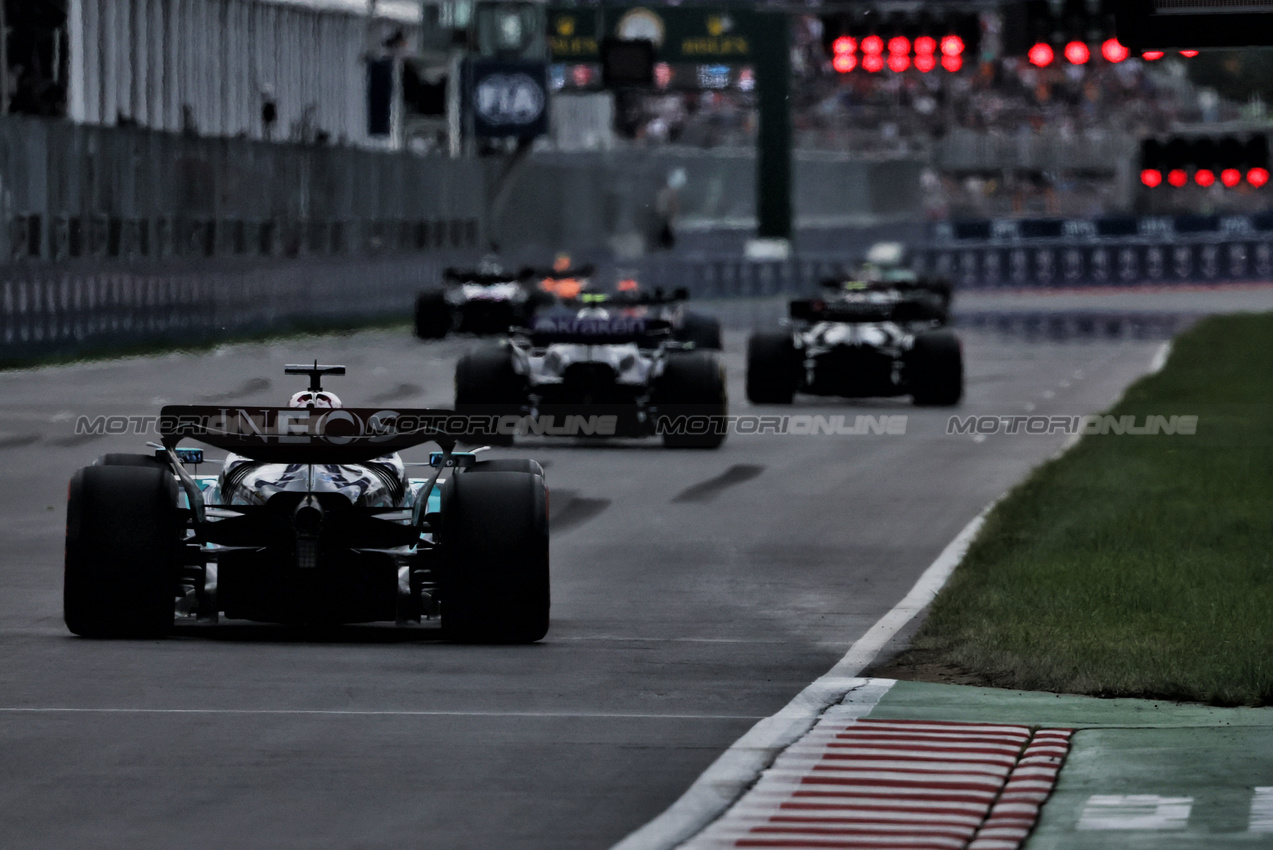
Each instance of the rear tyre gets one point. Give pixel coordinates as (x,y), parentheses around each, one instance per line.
(507,465)
(693,386)
(432,315)
(702,331)
(935,369)
(771,368)
(495,584)
(487,384)
(120,459)
(123,542)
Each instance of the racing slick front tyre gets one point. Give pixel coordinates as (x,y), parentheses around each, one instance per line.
(771,368)
(486,384)
(123,545)
(935,369)
(692,400)
(494,535)
(506,465)
(432,315)
(702,331)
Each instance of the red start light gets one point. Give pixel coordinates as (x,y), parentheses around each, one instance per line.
(1257,177)
(899,44)
(925,62)
(1230,177)
(898,62)
(1204,177)
(873,62)
(925,45)
(1188,54)
(1076,53)
(1040,55)
(952,45)
(873,44)
(1151,55)
(844,62)
(1177,177)
(1151,177)
(844,44)
(1113,51)
(952,63)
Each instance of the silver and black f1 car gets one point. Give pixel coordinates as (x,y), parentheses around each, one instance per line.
(485,300)
(311,519)
(597,370)
(863,339)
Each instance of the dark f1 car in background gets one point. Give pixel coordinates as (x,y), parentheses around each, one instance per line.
(688,326)
(597,371)
(485,300)
(313,520)
(863,339)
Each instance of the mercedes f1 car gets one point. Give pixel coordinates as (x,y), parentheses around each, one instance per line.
(485,300)
(597,370)
(865,338)
(311,519)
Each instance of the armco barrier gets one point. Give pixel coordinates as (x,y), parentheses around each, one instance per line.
(47,310)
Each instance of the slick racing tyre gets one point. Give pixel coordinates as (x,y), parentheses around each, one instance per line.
(119,459)
(772,367)
(702,331)
(935,369)
(494,535)
(692,386)
(487,384)
(432,315)
(123,545)
(506,465)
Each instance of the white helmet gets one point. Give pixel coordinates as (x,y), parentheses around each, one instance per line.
(311,399)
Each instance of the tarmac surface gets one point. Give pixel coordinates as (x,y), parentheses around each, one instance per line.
(694,593)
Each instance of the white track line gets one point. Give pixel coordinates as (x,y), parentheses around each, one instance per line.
(738,768)
(353,712)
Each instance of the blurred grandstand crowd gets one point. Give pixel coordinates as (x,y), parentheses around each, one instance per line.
(1002,136)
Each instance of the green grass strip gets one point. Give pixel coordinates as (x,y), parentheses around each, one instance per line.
(1134,566)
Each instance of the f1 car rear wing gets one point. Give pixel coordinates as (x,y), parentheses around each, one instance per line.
(640,298)
(551,330)
(321,436)
(923,306)
(481,278)
(548,273)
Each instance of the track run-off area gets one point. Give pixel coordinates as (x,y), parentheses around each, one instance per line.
(695,593)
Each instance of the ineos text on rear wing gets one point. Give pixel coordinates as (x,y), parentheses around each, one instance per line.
(300,435)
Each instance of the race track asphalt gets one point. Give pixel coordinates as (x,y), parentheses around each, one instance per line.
(694,592)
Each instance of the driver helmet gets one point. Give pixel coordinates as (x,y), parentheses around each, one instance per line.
(311,399)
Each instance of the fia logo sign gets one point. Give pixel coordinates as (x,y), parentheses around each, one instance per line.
(508,99)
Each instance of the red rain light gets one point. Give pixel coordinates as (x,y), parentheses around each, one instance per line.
(1151,55)
(1040,55)
(844,44)
(898,62)
(844,62)
(1188,54)
(952,45)
(925,62)
(1257,177)
(1113,51)
(1076,53)
(952,63)
(925,45)
(1204,177)
(873,44)
(899,44)
(1151,177)
(873,62)
(1230,177)
(1177,177)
